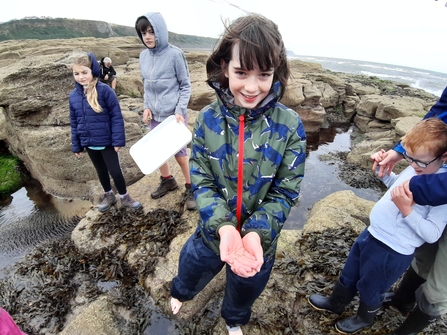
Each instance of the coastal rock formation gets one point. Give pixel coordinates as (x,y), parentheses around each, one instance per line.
(34,122)
(35,83)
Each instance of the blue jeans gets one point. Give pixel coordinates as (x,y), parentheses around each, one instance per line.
(198,264)
(372,267)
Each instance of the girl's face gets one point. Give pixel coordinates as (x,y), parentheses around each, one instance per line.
(249,87)
(82,74)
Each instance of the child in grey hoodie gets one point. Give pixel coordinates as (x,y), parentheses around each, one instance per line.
(167,89)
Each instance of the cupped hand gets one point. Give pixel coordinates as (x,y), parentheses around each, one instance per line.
(252,244)
(232,252)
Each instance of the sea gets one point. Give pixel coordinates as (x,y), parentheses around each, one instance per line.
(30,205)
(430,81)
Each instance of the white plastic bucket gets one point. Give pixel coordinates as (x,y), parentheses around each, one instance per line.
(160,144)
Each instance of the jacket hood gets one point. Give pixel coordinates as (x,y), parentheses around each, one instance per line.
(226,99)
(160,30)
(95,70)
(95,65)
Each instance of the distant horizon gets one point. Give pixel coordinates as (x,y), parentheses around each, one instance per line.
(368,61)
(433,82)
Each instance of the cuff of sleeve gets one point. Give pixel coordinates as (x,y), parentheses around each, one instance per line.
(399,148)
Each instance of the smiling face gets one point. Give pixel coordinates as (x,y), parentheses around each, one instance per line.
(249,87)
(82,74)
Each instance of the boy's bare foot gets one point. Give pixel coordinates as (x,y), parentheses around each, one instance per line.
(235,331)
(176,305)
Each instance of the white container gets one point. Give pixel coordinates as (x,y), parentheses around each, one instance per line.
(160,144)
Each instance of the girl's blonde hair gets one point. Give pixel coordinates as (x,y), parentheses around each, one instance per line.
(83,59)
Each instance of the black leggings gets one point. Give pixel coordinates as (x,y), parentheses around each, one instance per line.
(107,161)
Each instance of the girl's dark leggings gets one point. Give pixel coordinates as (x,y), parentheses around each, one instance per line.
(107,161)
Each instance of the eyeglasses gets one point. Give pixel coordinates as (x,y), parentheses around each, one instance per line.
(418,163)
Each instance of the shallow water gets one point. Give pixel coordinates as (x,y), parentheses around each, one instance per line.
(321,177)
(30,216)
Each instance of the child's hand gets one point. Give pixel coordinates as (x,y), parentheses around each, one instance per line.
(230,244)
(233,252)
(117,149)
(179,118)
(243,265)
(249,263)
(403,198)
(387,162)
(147,115)
(252,244)
(78,154)
(377,158)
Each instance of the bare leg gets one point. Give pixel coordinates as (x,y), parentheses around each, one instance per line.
(165,170)
(113,84)
(184,165)
(176,305)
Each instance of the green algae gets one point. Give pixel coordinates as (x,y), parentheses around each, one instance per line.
(10,180)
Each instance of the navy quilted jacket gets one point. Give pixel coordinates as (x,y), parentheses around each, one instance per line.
(89,128)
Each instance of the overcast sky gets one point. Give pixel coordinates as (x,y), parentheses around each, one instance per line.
(400,32)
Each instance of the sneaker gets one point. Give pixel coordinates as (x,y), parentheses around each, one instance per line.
(127,201)
(164,187)
(190,202)
(108,201)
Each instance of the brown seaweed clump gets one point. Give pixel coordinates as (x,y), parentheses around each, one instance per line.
(47,285)
(352,175)
(40,291)
(324,254)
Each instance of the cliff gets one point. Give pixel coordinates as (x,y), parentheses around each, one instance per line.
(47,28)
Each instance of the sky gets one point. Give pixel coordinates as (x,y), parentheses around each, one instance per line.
(400,32)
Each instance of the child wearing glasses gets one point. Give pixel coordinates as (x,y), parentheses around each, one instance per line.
(384,250)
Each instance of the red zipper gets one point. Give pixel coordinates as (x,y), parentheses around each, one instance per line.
(240,172)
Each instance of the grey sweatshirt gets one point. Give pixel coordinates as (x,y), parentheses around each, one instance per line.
(424,224)
(167,85)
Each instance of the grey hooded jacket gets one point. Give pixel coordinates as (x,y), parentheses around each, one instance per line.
(167,85)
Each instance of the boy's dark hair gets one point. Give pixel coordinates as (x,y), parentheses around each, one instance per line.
(143,24)
(260,46)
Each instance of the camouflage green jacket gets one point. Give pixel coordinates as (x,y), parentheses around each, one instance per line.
(274,154)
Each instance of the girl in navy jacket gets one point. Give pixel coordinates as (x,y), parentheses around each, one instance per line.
(97,125)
